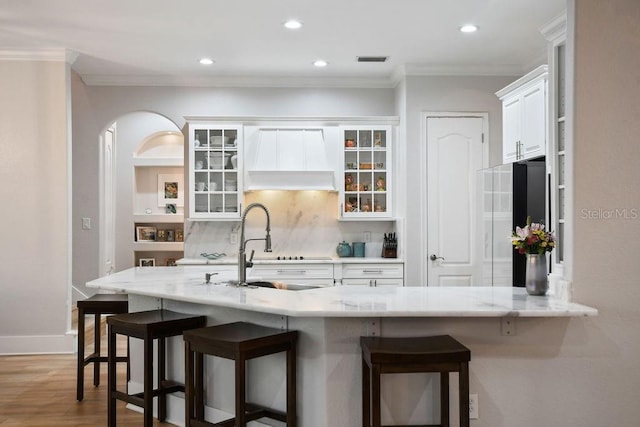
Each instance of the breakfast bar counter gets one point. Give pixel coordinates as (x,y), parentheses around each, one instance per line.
(188,284)
(330,321)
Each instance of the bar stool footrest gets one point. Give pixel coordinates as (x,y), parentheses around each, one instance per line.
(95,358)
(254,412)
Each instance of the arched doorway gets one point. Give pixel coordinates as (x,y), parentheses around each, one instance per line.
(141,135)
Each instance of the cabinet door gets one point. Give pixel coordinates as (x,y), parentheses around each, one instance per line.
(215,160)
(366,180)
(511,128)
(534,132)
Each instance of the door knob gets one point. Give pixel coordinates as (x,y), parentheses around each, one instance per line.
(434,257)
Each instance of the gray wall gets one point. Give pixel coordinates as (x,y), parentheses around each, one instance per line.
(35,243)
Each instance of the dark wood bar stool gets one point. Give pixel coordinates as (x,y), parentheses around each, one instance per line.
(381,355)
(240,342)
(98,305)
(147,326)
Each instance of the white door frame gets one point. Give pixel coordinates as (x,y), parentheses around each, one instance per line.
(107,203)
(423,174)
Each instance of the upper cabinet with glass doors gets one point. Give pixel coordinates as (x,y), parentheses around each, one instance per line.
(215,162)
(366,176)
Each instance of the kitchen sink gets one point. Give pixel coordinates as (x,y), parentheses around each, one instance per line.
(281,285)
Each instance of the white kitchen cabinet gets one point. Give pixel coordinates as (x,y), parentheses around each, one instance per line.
(524,117)
(298,272)
(214,177)
(366,172)
(365,274)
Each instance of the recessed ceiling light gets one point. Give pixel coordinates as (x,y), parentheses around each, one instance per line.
(206,61)
(320,63)
(293,24)
(469,28)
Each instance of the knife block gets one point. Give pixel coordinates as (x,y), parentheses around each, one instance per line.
(389,253)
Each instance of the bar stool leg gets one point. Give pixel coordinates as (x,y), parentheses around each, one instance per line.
(80,368)
(97,332)
(240,392)
(366,394)
(375,396)
(444,399)
(162,377)
(188,384)
(199,386)
(464,394)
(148,381)
(292,416)
(111,378)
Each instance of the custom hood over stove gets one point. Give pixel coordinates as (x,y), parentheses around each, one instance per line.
(289,159)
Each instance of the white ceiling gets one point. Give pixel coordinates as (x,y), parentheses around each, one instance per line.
(160,41)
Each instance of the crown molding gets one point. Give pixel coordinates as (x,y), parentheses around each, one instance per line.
(238,81)
(556,28)
(62,55)
(461,70)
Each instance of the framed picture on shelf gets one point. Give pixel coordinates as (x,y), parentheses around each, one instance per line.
(170,208)
(170,262)
(179,235)
(146,234)
(147,262)
(170,190)
(161,236)
(171,237)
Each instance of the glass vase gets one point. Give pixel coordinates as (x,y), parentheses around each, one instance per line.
(536,275)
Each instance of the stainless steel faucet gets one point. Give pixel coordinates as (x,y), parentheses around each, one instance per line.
(243,264)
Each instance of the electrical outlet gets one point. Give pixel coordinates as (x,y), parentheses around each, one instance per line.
(372,327)
(233,238)
(366,236)
(86,223)
(508,326)
(473,407)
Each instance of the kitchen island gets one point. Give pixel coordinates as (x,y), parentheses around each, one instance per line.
(330,321)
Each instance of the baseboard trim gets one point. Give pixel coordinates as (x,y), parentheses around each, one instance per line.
(37,344)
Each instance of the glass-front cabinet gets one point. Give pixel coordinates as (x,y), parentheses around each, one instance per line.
(215,162)
(366,178)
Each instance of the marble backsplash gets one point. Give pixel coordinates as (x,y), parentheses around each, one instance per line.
(302,223)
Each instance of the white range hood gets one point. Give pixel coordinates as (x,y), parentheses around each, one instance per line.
(289,159)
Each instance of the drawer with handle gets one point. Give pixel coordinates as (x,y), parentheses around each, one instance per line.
(373,271)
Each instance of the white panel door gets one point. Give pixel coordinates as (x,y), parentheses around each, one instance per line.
(454,155)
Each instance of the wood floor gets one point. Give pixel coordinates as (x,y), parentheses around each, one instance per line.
(41,391)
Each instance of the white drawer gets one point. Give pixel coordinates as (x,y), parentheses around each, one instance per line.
(372,271)
(293,271)
(372,282)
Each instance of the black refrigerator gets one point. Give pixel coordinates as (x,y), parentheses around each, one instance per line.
(529,199)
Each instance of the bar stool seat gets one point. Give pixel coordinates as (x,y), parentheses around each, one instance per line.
(443,354)
(98,305)
(147,326)
(239,341)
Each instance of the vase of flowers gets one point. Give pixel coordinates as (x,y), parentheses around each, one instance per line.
(534,241)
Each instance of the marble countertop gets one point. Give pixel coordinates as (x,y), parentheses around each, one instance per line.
(187,284)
